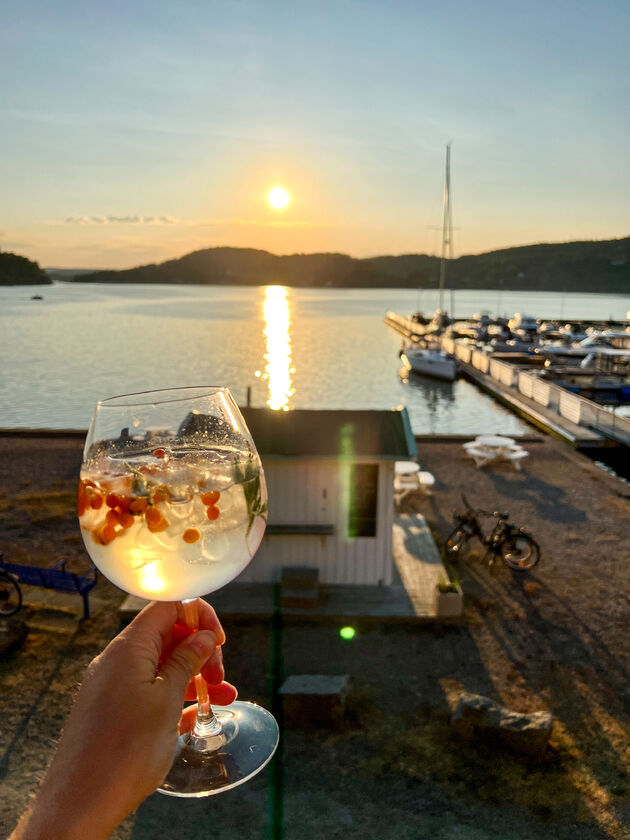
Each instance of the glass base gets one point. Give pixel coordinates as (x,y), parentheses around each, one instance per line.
(251,736)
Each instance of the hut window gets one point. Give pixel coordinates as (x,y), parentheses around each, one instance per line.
(363,500)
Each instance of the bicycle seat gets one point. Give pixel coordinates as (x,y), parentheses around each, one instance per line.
(501,515)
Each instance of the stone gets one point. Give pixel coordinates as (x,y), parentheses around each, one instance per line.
(476,716)
(314,698)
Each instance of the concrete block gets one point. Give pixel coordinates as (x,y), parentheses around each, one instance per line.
(314,698)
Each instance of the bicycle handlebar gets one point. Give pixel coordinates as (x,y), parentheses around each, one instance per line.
(469,507)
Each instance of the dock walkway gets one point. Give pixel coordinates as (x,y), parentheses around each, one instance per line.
(544,418)
(417,568)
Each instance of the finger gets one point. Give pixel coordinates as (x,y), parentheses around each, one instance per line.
(187,720)
(187,660)
(205,618)
(222,694)
(212,672)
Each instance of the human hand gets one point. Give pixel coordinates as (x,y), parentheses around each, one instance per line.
(119,740)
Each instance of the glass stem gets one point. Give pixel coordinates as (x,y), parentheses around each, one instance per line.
(207,734)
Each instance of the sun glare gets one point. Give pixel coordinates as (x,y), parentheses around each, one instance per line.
(278,198)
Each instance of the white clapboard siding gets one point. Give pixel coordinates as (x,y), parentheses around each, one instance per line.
(316,492)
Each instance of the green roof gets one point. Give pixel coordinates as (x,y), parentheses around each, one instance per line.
(327,433)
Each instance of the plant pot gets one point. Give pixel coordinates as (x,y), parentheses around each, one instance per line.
(448,604)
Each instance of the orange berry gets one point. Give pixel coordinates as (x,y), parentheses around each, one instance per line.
(162,525)
(112,518)
(211,497)
(159,453)
(95,500)
(213,513)
(160,494)
(138,505)
(107,534)
(111,500)
(81,499)
(126,519)
(191,535)
(123,503)
(153,516)
(155,521)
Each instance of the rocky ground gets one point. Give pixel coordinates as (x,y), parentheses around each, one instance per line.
(553,639)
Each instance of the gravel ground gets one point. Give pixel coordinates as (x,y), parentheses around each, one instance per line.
(553,639)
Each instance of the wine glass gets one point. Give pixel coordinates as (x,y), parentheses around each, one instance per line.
(172,505)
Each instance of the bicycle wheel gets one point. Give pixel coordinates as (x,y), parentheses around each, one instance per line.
(10,597)
(456,542)
(520,552)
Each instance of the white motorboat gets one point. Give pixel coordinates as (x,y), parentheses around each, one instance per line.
(429,361)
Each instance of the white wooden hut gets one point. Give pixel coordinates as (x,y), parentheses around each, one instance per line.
(330,477)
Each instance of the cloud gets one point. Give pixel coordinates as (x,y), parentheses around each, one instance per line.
(120,220)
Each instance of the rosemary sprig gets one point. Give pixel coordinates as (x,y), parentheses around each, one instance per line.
(248,475)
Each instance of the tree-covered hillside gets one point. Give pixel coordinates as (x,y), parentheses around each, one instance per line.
(575,266)
(20,271)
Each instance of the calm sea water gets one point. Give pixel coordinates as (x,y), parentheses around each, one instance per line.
(295,348)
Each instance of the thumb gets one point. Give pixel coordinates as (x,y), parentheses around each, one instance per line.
(187,659)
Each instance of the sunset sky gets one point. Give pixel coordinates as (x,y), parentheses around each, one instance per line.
(135,131)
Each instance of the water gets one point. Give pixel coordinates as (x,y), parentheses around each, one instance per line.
(295,348)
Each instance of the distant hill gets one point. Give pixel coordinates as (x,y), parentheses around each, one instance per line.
(598,266)
(20,271)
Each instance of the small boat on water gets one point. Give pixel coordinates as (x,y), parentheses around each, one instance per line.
(429,361)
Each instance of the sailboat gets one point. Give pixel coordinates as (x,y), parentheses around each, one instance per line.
(426,357)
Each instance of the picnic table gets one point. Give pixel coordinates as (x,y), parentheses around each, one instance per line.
(409,478)
(488,448)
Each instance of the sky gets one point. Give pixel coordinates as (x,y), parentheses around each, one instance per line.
(135,131)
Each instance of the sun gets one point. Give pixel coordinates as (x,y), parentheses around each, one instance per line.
(278,198)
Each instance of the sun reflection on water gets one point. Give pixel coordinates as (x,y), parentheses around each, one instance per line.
(278,356)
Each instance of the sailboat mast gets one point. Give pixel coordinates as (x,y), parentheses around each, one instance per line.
(447,227)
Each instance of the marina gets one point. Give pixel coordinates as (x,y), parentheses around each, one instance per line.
(523,379)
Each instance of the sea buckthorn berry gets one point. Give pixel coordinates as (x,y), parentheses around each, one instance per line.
(95,500)
(160,494)
(138,505)
(159,453)
(153,516)
(211,497)
(162,525)
(191,535)
(213,513)
(155,521)
(126,519)
(111,500)
(107,534)
(112,518)
(81,499)
(123,503)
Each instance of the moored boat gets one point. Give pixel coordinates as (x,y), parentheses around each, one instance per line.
(429,361)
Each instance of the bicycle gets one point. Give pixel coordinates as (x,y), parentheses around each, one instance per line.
(517,548)
(10,594)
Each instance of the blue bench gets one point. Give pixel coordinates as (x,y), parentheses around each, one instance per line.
(56,578)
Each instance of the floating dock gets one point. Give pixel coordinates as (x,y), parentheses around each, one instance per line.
(577,420)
